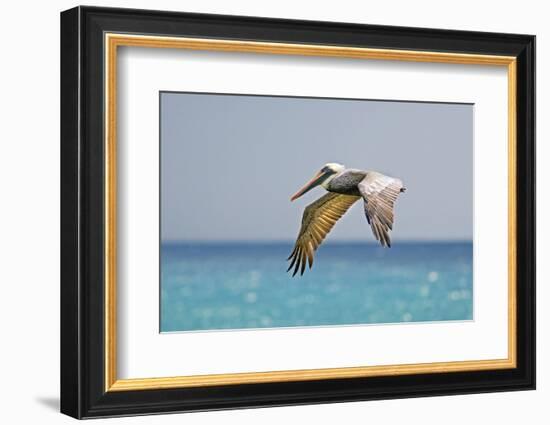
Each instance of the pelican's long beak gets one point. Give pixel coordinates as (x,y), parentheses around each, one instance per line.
(315,181)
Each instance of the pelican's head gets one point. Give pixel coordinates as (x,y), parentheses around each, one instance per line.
(322,177)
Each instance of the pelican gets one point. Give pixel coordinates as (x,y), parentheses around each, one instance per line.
(345,187)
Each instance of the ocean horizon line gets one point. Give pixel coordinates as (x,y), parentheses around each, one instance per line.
(292,241)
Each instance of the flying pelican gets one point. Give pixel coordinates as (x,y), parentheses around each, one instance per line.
(345,187)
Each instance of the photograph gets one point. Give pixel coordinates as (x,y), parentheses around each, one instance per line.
(284,211)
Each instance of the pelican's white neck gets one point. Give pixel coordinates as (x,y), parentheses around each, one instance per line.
(328,180)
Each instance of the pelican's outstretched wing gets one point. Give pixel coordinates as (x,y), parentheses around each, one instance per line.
(380,193)
(318,219)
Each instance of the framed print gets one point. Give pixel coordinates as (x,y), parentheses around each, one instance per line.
(261,212)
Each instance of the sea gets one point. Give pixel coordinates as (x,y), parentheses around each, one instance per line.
(244,285)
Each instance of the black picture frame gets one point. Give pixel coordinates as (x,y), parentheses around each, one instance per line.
(83,392)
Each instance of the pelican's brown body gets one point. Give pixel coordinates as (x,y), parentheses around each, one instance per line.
(345,187)
(346,182)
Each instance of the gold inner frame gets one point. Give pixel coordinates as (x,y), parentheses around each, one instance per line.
(113,41)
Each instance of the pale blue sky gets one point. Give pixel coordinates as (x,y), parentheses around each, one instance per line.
(229,164)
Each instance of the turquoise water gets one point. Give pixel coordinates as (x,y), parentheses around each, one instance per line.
(244,285)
